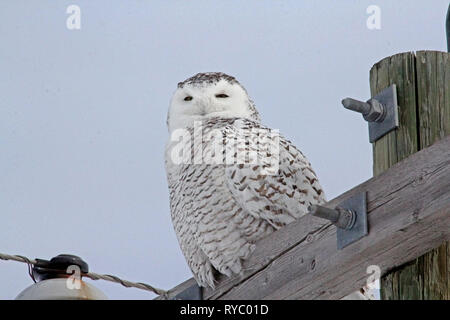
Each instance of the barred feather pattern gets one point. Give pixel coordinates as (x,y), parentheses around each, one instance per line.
(220,210)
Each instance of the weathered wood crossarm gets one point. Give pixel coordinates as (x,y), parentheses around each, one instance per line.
(408,214)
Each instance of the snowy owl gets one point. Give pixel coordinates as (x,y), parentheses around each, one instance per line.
(232,181)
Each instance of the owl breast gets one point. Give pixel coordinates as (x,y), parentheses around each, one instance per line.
(228,192)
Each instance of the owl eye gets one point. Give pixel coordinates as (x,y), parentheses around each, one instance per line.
(221,95)
(188,98)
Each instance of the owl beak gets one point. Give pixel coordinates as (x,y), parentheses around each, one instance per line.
(202,111)
(203,107)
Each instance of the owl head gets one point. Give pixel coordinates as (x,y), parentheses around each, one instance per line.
(209,95)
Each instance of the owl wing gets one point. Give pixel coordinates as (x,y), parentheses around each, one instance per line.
(280,185)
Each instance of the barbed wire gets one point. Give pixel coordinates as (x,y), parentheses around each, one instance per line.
(90,275)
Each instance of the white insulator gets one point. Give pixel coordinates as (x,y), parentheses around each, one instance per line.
(61,289)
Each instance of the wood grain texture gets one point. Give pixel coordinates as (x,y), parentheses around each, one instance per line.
(398,144)
(423,83)
(408,214)
(433,97)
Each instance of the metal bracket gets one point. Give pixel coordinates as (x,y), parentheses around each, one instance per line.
(194,292)
(381,112)
(350,218)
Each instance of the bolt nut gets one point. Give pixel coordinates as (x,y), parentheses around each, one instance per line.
(377,111)
(346,220)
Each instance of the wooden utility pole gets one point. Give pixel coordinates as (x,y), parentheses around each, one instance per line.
(423,93)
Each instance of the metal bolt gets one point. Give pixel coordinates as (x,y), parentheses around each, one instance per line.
(372,110)
(341,218)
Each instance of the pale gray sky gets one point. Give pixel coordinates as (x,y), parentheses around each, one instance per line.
(82,112)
